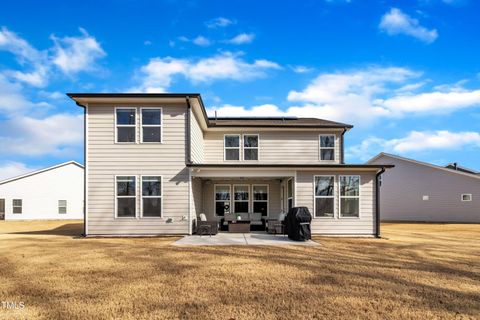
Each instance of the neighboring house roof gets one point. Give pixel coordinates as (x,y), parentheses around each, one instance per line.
(383,154)
(290,122)
(455,166)
(40,171)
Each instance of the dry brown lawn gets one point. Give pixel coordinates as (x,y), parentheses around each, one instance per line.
(417,271)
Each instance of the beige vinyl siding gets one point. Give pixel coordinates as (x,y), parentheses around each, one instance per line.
(273,194)
(282,146)
(105,159)
(196,140)
(197,198)
(365,225)
(404,186)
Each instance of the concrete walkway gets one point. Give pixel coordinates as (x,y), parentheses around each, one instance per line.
(241,239)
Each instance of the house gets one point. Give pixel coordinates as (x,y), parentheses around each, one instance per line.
(419,191)
(155,162)
(54,193)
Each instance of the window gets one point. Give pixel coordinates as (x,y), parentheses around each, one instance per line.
(222,200)
(260,199)
(232,147)
(467,197)
(151,125)
(250,147)
(324,196)
(126,124)
(151,196)
(327,147)
(126,197)
(350,196)
(425,198)
(289,194)
(62,206)
(240,198)
(17,206)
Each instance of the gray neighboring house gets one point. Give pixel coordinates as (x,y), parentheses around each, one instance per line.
(419,191)
(155,162)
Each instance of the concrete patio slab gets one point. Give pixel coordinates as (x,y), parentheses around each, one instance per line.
(242,239)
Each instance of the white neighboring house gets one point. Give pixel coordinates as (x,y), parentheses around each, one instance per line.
(54,193)
(419,191)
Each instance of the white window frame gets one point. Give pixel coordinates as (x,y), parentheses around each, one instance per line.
(116,196)
(142,196)
(326,197)
(20,206)
(267,201)
(320,148)
(126,125)
(151,125)
(251,148)
(349,197)
(215,198)
(232,197)
(230,148)
(65,206)
(293,193)
(466,194)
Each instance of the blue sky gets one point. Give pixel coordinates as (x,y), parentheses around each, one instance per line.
(406,74)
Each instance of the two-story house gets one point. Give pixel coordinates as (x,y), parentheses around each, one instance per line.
(154,162)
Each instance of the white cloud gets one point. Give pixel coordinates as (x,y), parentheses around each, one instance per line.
(414,142)
(242,38)
(76,54)
(201,41)
(158,74)
(301,69)
(219,22)
(396,22)
(59,134)
(228,110)
(12,169)
(12,100)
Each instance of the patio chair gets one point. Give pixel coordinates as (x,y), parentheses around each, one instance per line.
(206,227)
(274,225)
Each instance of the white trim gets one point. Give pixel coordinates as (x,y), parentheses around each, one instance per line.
(320,148)
(116,197)
(150,125)
(349,197)
(328,197)
(250,148)
(125,125)
(215,199)
(293,192)
(233,197)
(383,154)
(232,148)
(190,198)
(40,171)
(86,186)
(154,197)
(466,194)
(267,201)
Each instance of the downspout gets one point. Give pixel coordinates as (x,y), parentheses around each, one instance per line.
(377,202)
(342,159)
(189,161)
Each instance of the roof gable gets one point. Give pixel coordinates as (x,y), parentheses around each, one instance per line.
(41,171)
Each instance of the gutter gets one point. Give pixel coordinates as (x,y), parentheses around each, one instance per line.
(342,153)
(377,202)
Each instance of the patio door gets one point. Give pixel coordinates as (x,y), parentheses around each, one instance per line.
(2,209)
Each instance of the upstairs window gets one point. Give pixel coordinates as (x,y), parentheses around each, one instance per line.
(349,196)
(62,206)
(125,122)
(467,197)
(17,206)
(327,147)
(250,147)
(232,147)
(126,196)
(151,125)
(324,196)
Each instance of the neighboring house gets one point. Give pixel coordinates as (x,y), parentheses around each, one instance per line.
(419,191)
(54,193)
(154,162)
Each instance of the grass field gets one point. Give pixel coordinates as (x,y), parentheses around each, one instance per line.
(417,271)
